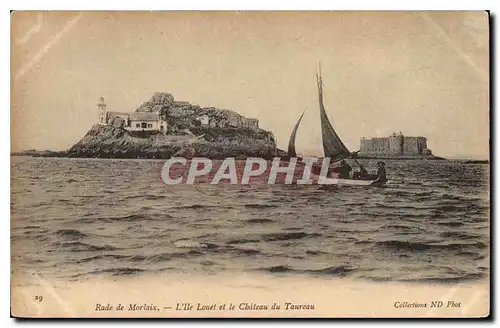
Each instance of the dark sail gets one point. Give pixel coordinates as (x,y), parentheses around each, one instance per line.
(291,144)
(332,145)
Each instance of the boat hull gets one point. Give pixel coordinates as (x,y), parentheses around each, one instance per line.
(348,182)
(352,182)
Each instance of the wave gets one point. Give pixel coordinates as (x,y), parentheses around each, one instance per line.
(71,233)
(130,217)
(103,257)
(457,197)
(315,252)
(406,245)
(122,218)
(213,248)
(288,236)
(459,235)
(448,280)
(242,241)
(439,280)
(292,228)
(363,242)
(113,272)
(403,227)
(340,270)
(260,206)
(450,207)
(182,243)
(468,253)
(451,223)
(423,199)
(162,257)
(77,246)
(40,232)
(328,271)
(395,207)
(277,268)
(154,197)
(400,193)
(156,258)
(198,207)
(259,220)
(246,251)
(28,227)
(146,197)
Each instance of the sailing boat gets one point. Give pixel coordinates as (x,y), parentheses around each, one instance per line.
(333,146)
(291,144)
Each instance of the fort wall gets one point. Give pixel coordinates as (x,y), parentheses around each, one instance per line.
(394,145)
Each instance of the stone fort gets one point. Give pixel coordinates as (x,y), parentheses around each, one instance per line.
(395,144)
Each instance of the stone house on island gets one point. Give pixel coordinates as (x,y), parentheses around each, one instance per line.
(153,114)
(134,121)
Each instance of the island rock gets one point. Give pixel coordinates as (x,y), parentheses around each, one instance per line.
(190,131)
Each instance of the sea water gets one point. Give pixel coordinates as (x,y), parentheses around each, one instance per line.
(78,218)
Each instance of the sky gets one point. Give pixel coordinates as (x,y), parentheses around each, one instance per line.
(422,73)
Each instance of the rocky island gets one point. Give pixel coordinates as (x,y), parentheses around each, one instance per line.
(163,127)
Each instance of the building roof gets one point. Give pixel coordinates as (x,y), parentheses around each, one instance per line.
(143,116)
(118,113)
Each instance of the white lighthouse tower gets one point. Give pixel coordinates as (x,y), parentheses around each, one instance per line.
(101,105)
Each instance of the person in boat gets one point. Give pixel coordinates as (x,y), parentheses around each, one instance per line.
(381,174)
(363,173)
(345,170)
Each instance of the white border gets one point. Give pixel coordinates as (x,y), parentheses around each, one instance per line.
(252,5)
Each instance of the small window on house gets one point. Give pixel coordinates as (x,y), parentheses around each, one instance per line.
(144,125)
(138,125)
(150,125)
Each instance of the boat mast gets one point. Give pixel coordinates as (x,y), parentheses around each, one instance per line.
(333,146)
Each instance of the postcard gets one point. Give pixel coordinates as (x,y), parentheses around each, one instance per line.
(260,164)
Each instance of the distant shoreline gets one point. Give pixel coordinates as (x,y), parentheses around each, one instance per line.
(426,158)
(64,154)
(403,157)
